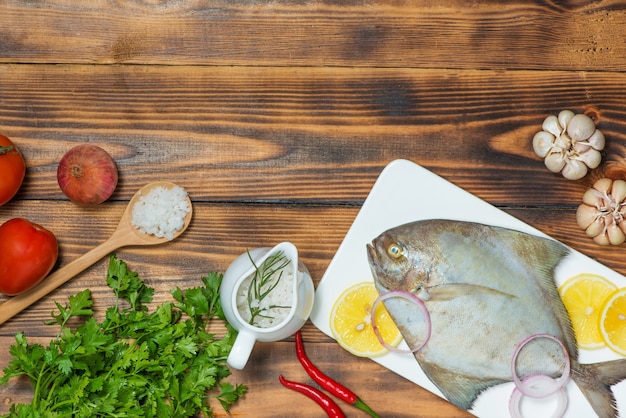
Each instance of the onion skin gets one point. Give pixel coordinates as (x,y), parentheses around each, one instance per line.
(87,175)
(411,298)
(516,397)
(558,383)
(538,385)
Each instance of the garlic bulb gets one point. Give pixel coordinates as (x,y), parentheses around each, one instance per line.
(570,144)
(603,211)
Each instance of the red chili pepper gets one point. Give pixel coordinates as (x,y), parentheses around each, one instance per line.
(323,400)
(328,383)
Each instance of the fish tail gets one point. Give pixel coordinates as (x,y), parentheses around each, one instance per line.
(595,381)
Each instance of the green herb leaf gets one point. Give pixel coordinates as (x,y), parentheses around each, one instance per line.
(264,280)
(136,362)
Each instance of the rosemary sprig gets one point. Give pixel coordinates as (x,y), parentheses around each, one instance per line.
(263,283)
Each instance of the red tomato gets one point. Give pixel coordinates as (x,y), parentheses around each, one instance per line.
(27,254)
(12,169)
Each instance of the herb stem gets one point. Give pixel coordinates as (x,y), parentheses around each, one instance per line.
(40,384)
(263,283)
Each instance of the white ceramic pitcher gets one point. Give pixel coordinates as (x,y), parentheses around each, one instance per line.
(302,302)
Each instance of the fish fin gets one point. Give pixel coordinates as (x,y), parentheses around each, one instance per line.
(450,291)
(544,255)
(458,389)
(595,381)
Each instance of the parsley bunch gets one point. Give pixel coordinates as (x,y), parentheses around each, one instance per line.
(135,363)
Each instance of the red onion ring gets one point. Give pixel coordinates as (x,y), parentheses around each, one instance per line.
(537,380)
(543,391)
(411,298)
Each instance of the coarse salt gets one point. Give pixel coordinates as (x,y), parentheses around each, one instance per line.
(275,307)
(161,212)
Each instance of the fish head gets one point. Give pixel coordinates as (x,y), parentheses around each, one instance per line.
(396,264)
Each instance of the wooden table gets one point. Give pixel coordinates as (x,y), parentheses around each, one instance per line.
(278,116)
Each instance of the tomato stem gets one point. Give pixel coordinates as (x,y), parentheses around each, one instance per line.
(6,150)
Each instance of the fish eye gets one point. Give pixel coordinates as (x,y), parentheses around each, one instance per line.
(395,250)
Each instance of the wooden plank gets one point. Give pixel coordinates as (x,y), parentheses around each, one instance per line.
(317,135)
(217,235)
(581,35)
(219,232)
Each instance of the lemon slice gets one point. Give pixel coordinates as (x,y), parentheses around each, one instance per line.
(583,296)
(613,321)
(350,322)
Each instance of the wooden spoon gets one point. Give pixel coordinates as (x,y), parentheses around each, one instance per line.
(124,235)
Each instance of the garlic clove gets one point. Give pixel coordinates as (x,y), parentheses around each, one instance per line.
(593,197)
(551,124)
(555,162)
(596,228)
(586,215)
(580,127)
(564,117)
(574,169)
(618,191)
(601,239)
(542,143)
(603,212)
(615,234)
(563,142)
(580,147)
(597,140)
(603,185)
(591,158)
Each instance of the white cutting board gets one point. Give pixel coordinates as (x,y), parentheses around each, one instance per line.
(407,192)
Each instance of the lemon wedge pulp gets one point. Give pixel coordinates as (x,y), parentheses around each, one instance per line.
(583,296)
(613,321)
(350,322)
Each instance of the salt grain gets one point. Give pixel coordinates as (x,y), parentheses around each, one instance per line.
(161,212)
(275,306)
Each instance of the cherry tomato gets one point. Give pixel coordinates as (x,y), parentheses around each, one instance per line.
(27,254)
(12,169)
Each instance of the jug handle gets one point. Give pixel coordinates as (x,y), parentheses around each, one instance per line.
(242,348)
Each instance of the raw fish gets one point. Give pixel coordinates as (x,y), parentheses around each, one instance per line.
(487,289)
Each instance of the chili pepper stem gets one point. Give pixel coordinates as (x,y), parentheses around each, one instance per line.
(328,383)
(363,407)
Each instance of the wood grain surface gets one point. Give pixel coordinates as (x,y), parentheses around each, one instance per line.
(278,116)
